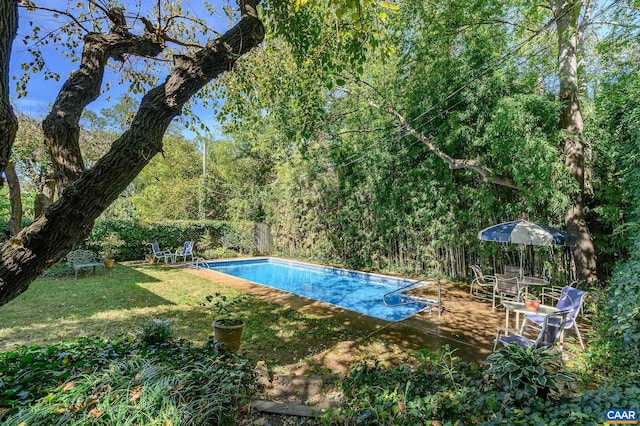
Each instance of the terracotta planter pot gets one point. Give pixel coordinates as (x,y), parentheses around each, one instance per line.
(109,263)
(227,334)
(532,305)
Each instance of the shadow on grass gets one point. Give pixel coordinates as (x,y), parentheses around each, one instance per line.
(56,308)
(466,324)
(116,303)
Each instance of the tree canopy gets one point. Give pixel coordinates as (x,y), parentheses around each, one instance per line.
(375,132)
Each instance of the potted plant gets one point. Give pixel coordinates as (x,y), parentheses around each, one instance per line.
(531,302)
(110,245)
(227,330)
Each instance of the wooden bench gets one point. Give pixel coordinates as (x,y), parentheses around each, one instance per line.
(84,259)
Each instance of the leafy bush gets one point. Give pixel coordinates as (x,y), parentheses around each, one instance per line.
(219,253)
(526,372)
(204,243)
(94,381)
(30,373)
(59,270)
(441,389)
(239,238)
(154,331)
(587,408)
(137,237)
(624,311)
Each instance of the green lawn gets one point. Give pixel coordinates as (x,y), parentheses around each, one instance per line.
(106,305)
(119,301)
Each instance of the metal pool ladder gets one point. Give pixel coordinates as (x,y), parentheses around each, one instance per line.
(198,262)
(405,299)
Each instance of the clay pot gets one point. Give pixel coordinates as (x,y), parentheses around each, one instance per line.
(227,334)
(531,304)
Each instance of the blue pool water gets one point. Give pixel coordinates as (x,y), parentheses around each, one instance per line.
(357,291)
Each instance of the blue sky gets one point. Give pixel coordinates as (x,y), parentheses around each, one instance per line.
(42,93)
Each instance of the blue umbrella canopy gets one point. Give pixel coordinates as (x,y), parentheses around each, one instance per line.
(525,232)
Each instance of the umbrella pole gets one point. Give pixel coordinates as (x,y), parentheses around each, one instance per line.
(521,261)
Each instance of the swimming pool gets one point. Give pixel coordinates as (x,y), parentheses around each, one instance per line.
(357,291)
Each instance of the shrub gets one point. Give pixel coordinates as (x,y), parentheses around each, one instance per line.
(137,237)
(59,270)
(219,253)
(239,238)
(93,381)
(526,372)
(440,388)
(623,311)
(154,331)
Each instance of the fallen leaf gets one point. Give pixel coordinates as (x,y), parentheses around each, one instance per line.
(136,391)
(95,413)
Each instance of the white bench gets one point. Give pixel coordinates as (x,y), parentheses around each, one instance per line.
(84,259)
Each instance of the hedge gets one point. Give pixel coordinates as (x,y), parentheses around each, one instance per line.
(170,235)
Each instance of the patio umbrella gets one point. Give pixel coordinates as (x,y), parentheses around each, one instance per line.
(523,232)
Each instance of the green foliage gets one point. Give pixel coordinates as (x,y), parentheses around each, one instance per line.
(342,184)
(167,189)
(586,408)
(623,310)
(526,372)
(110,244)
(224,306)
(440,388)
(154,331)
(137,237)
(218,253)
(59,270)
(238,237)
(93,381)
(616,349)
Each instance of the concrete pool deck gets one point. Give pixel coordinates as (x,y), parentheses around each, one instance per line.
(467,324)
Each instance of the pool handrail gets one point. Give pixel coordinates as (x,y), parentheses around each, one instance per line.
(407,299)
(199,262)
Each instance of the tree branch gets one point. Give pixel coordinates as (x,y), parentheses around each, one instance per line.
(8,119)
(29,5)
(70,219)
(60,127)
(454,163)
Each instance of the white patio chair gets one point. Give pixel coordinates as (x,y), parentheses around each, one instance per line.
(511,271)
(159,254)
(482,285)
(186,251)
(571,300)
(548,334)
(506,288)
(553,293)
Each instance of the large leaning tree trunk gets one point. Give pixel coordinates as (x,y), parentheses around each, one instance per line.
(8,120)
(44,194)
(15,199)
(88,193)
(567,14)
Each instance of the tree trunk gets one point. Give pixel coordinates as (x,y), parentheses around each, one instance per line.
(45,194)
(15,221)
(8,120)
(566,14)
(70,219)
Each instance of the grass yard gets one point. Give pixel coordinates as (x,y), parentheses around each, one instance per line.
(119,301)
(120,381)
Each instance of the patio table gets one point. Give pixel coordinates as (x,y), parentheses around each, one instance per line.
(519,307)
